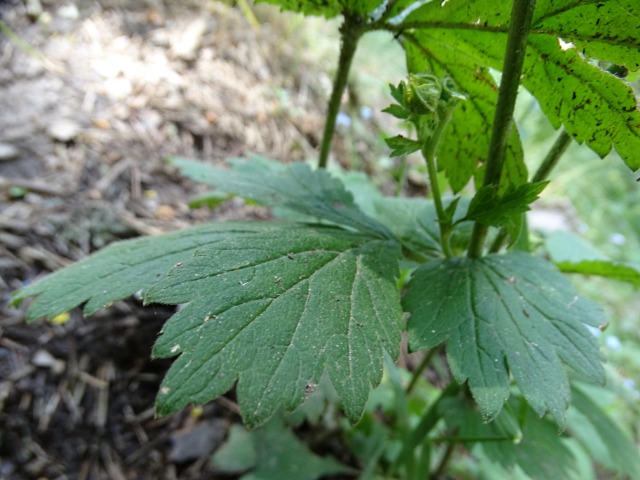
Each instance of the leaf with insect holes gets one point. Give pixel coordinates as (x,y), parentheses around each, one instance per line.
(463,37)
(276,310)
(295,186)
(502,313)
(121,269)
(327,8)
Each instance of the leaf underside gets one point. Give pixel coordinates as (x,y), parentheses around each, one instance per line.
(506,313)
(274,311)
(461,38)
(121,269)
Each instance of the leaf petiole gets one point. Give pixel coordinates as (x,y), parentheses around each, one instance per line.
(445,112)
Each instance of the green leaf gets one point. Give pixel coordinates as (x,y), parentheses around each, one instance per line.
(121,269)
(413,221)
(603,30)
(573,254)
(621,449)
(238,454)
(209,200)
(274,453)
(511,441)
(603,268)
(465,36)
(327,8)
(569,247)
(294,186)
(594,106)
(397,111)
(541,454)
(504,313)
(402,146)
(274,311)
(490,207)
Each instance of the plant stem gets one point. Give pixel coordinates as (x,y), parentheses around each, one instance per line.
(429,420)
(429,153)
(350,33)
(519,27)
(404,166)
(550,161)
(417,373)
(445,460)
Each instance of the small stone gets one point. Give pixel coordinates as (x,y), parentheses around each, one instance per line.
(202,440)
(42,358)
(186,45)
(8,152)
(69,11)
(63,130)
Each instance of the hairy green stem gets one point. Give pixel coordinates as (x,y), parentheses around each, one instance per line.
(417,373)
(553,156)
(427,422)
(548,164)
(350,34)
(521,17)
(404,166)
(429,154)
(446,458)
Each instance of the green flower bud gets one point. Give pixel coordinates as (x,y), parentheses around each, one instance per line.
(422,94)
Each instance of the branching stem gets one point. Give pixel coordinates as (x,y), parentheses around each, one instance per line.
(548,164)
(521,17)
(350,33)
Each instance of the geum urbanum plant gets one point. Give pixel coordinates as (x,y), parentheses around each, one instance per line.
(275,307)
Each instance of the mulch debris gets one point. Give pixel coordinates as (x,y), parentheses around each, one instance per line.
(94,96)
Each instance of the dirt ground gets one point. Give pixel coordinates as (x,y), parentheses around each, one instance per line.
(94,95)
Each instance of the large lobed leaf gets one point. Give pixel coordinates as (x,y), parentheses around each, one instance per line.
(593,105)
(311,192)
(504,313)
(121,269)
(274,310)
(272,305)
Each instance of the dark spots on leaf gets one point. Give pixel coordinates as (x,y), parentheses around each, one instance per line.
(573,96)
(309,389)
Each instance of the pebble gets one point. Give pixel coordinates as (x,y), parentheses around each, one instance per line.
(8,152)
(63,130)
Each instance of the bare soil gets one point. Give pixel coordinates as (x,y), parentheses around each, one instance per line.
(94,96)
